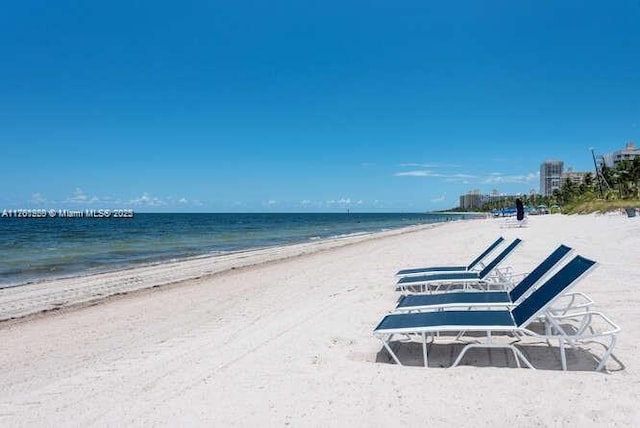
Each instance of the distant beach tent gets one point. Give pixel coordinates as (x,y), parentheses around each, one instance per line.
(505,212)
(542,209)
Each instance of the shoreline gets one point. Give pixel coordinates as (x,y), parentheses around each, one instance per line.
(87,288)
(90,272)
(105,246)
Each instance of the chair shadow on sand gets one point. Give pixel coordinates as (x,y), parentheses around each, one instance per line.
(542,355)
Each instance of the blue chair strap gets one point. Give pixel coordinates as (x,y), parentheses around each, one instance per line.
(495,262)
(485,253)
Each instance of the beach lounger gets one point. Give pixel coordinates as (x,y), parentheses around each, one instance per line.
(477,262)
(513,222)
(490,299)
(445,280)
(497,325)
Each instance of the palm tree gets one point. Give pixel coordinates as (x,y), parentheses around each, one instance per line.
(634,175)
(588,180)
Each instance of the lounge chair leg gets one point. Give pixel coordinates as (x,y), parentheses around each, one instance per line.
(521,355)
(424,349)
(607,354)
(563,356)
(461,354)
(515,355)
(515,350)
(460,334)
(385,343)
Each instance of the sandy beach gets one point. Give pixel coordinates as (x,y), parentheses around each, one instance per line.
(283,337)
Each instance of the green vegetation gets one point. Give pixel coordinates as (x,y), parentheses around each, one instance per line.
(616,189)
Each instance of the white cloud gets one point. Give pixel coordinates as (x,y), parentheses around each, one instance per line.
(81,198)
(499,178)
(147,200)
(177,200)
(459,178)
(417,173)
(38,198)
(426,173)
(308,203)
(333,203)
(428,165)
(491,178)
(341,201)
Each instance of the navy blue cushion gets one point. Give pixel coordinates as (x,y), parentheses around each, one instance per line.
(416,320)
(452,276)
(462,298)
(488,268)
(432,269)
(552,288)
(535,275)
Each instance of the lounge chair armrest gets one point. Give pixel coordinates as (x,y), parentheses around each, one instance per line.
(571,302)
(516,277)
(587,321)
(507,272)
(496,284)
(503,275)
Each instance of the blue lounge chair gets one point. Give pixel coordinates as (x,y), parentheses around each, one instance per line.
(485,299)
(512,322)
(434,281)
(474,263)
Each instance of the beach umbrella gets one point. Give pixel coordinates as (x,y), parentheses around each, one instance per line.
(519,210)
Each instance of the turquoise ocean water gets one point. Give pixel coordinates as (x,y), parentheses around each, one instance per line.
(40,248)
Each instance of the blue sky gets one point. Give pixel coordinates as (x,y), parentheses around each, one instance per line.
(285,106)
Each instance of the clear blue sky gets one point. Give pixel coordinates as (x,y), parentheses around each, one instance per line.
(306,105)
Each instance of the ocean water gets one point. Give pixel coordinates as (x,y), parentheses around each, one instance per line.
(40,248)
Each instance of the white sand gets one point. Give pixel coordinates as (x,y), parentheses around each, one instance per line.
(288,341)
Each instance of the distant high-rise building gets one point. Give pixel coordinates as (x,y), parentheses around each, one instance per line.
(629,153)
(550,176)
(576,177)
(472,199)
